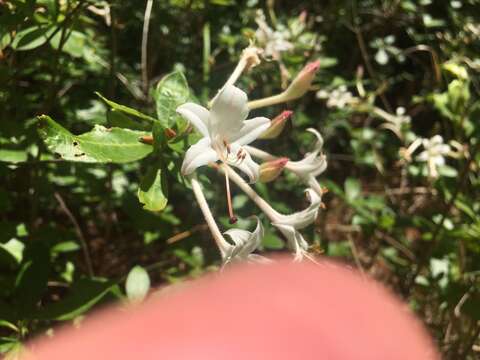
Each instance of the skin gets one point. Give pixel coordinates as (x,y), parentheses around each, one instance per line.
(281,311)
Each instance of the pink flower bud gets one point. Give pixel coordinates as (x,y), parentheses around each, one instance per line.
(270,170)
(277,125)
(302,83)
(303,16)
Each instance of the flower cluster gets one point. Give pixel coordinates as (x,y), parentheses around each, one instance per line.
(434,153)
(226,135)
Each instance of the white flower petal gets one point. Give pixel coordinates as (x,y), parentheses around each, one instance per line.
(313,164)
(198,155)
(319,144)
(197,115)
(303,218)
(229,109)
(295,240)
(245,242)
(251,130)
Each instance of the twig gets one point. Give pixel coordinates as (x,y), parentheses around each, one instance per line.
(184,234)
(146,23)
(368,64)
(79,232)
(396,244)
(355,255)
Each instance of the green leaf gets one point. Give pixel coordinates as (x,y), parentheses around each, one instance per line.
(31,282)
(151,193)
(84,294)
(64,247)
(31,38)
(125,109)
(13,156)
(15,248)
(8,325)
(74,45)
(171,92)
(99,145)
(352,189)
(119,119)
(137,284)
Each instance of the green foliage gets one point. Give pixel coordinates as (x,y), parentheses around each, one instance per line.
(102,144)
(98,197)
(171,92)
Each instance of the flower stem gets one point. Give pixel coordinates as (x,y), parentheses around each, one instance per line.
(207,214)
(260,154)
(271,100)
(242,64)
(272,214)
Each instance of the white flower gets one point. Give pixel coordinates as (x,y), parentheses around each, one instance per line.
(312,165)
(434,154)
(289,224)
(337,98)
(225,131)
(245,243)
(274,42)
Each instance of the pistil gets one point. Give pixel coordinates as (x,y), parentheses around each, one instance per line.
(233,218)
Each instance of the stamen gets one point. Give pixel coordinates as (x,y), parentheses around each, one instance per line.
(227,146)
(233,218)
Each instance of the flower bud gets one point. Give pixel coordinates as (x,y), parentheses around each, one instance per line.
(170,133)
(301,84)
(270,170)
(302,18)
(277,125)
(146,139)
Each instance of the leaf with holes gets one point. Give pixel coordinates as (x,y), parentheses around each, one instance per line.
(100,145)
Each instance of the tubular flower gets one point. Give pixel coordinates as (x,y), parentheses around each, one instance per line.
(225,131)
(312,165)
(244,243)
(289,224)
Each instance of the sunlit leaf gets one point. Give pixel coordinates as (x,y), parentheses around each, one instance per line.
(99,145)
(151,193)
(125,109)
(171,92)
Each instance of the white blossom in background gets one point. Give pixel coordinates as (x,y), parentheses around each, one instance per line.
(225,131)
(401,116)
(434,154)
(338,98)
(272,41)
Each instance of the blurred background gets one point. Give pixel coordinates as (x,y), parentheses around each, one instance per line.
(396,100)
